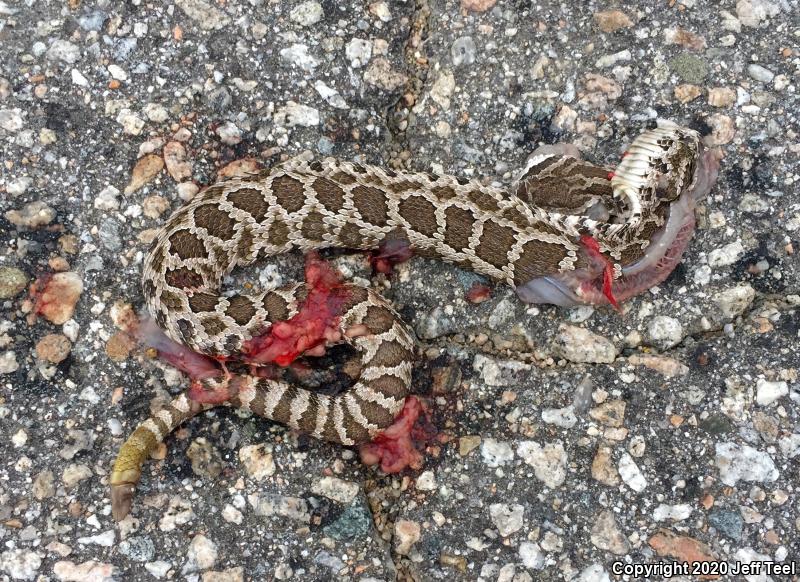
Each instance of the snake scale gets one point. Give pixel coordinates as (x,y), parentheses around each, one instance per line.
(566,232)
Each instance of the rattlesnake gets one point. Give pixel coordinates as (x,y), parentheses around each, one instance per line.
(567,232)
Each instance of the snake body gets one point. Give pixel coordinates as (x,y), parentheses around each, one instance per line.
(532,237)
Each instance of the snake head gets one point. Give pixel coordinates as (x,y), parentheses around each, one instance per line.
(658,168)
(668,168)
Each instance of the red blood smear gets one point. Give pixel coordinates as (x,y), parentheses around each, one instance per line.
(592,248)
(217,394)
(610,175)
(316,321)
(391,251)
(37,291)
(478,293)
(394,448)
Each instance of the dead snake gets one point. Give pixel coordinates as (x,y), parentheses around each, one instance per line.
(567,232)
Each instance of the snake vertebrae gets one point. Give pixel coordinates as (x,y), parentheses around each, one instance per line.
(532,237)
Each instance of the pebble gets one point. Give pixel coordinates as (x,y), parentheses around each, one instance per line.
(117,72)
(593,573)
(610,60)
(294,114)
(496,372)
(32,215)
(206,460)
(436,323)
(790,445)
(743,462)
(202,555)
(684,38)
(630,473)
(684,548)
(75,473)
(508,519)
(105,539)
(92,20)
(690,68)
(549,462)
(64,51)
(754,204)
(380,74)
(12,282)
(19,438)
(686,92)
(175,160)
(673,513)
(231,514)
(294,508)
(532,555)
(331,96)
(426,481)
(727,522)
(229,133)
(723,130)
(603,469)
(721,96)
(53,348)
(562,417)
(146,168)
(155,112)
(768,393)
(606,535)
(56,302)
(735,301)
(759,73)
(298,55)
(612,20)
(665,332)
(578,344)
(354,523)
(726,255)
(206,15)
(187,190)
(43,487)
(177,514)
(78,78)
(8,362)
(218,99)
(752,12)
(667,367)
(381,10)
(477,5)
(235,574)
(154,206)
(467,444)
(462,51)
(610,413)
(107,199)
(358,51)
(337,489)
(257,461)
(11,120)
(20,564)
(131,123)
(406,534)
(307,13)
(19,185)
(496,453)
(109,234)
(158,568)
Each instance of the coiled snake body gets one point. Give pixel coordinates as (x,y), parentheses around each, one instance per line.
(568,232)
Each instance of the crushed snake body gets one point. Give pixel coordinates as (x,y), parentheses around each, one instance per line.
(532,237)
